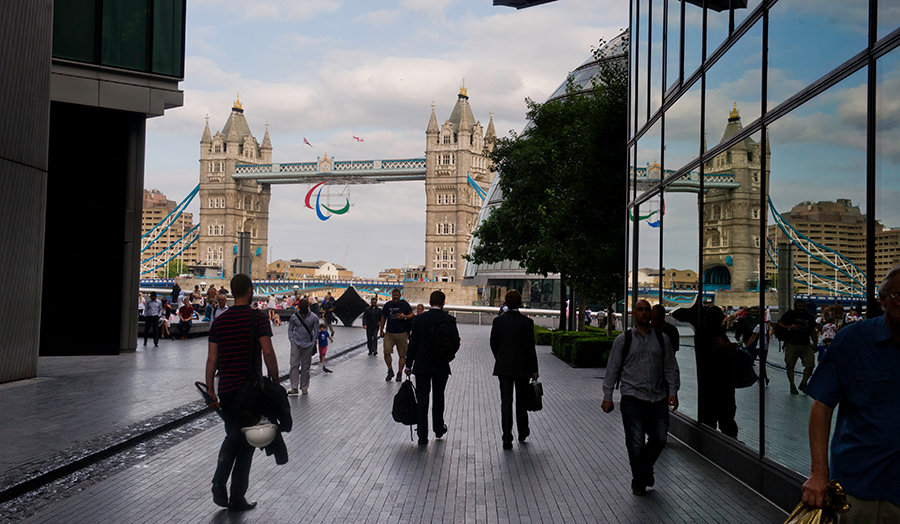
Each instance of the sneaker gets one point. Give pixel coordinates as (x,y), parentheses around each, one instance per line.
(390,375)
(293,391)
(306,392)
(326,370)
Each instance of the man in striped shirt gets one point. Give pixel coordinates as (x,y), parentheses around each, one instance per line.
(648,374)
(230,354)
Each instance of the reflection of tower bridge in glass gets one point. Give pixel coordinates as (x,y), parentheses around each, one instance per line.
(732,212)
(236,175)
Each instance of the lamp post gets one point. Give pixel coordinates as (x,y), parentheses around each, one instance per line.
(203,286)
(296,289)
(376,293)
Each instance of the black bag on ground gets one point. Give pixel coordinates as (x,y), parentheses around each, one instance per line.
(534,397)
(404,410)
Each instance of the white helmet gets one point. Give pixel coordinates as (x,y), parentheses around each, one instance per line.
(260,436)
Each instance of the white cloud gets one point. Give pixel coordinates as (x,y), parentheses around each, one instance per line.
(296,10)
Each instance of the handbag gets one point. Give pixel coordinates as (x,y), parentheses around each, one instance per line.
(742,368)
(534,400)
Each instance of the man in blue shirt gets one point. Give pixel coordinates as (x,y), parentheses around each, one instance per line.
(861,372)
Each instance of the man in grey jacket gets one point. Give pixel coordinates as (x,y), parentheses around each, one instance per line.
(302,332)
(648,374)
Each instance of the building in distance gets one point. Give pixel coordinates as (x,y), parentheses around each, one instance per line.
(295,269)
(156,207)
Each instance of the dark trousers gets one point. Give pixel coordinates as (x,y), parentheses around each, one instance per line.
(506,402)
(236,454)
(643,418)
(423,388)
(372,339)
(184,327)
(151,323)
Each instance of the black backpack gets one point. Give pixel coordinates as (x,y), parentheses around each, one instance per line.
(404,410)
(440,341)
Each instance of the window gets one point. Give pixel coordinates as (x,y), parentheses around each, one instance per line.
(754,214)
(218,148)
(755,241)
(446,138)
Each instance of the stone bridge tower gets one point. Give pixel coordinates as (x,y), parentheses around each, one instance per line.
(731,217)
(454,151)
(229,206)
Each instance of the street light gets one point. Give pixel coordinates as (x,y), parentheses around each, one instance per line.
(376,293)
(296,289)
(202,286)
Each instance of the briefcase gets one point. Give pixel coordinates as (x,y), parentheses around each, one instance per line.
(534,396)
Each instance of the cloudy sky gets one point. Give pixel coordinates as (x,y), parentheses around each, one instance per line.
(331,69)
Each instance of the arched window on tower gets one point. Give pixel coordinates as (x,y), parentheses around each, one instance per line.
(218,148)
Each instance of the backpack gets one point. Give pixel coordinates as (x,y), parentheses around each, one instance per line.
(627,348)
(404,410)
(440,341)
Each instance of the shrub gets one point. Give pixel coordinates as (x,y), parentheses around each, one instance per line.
(584,349)
(542,336)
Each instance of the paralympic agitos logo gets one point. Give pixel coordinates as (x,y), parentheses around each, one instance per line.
(319,206)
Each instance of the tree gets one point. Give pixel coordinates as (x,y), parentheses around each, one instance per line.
(172,269)
(563,181)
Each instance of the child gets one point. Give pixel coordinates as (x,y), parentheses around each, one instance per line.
(324,336)
(829,329)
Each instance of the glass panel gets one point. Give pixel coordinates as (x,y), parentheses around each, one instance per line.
(733,88)
(693,38)
(673,43)
(716,28)
(167,43)
(656,55)
(887,165)
(888,18)
(682,139)
(641,64)
(124,41)
(741,13)
(679,280)
(648,169)
(75,39)
(817,212)
(632,79)
(809,39)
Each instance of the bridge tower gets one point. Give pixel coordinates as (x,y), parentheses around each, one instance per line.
(731,216)
(454,152)
(229,206)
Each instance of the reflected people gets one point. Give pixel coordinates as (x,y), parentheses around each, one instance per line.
(716,406)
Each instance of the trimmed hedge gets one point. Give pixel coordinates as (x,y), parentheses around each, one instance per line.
(542,336)
(583,349)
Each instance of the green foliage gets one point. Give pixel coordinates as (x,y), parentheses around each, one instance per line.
(564,184)
(583,349)
(542,336)
(172,269)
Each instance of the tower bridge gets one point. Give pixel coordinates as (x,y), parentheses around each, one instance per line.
(335,172)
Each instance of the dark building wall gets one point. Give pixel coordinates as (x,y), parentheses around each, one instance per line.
(25,36)
(94,187)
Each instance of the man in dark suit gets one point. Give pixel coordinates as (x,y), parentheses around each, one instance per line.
(512,342)
(433,343)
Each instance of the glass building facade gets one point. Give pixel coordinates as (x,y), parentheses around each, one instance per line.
(764,156)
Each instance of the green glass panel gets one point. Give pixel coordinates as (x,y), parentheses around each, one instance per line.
(125,34)
(168,23)
(75,29)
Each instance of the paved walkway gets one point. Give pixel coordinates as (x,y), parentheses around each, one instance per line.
(350,462)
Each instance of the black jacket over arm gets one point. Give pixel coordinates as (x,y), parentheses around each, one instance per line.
(512,342)
(417,352)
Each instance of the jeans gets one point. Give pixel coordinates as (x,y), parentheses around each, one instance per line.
(184,327)
(640,418)
(236,454)
(506,410)
(423,388)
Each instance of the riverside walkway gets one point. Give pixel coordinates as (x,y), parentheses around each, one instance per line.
(349,461)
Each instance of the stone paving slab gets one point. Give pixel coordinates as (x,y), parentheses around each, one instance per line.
(350,462)
(76,399)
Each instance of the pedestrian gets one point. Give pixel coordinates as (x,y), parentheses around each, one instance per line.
(152,311)
(196,299)
(271,306)
(420,308)
(515,363)
(164,319)
(432,346)
(328,306)
(503,308)
(302,335)
(324,337)
(185,319)
(859,372)
(140,306)
(395,332)
(800,342)
(176,291)
(716,405)
(221,307)
(649,380)
(222,291)
(588,314)
(228,355)
(371,319)
(658,321)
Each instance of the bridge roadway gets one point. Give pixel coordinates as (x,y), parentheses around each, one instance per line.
(349,461)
